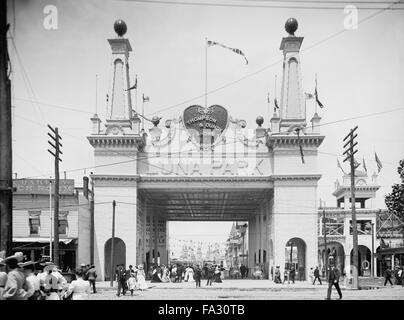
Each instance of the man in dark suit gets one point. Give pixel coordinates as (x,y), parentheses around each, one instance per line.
(316,275)
(198,276)
(121,279)
(333,280)
(211,274)
(92,275)
(242,271)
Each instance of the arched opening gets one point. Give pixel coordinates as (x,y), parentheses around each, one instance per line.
(119,255)
(364,260)
(295,256)
(336,255)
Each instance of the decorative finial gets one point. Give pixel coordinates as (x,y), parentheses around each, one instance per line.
(291,26)
(259,120)
(120,27)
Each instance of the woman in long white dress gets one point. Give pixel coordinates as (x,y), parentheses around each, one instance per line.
(141,278)
(190,274)
(79,288)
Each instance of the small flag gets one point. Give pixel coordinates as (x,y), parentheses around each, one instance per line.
(316,96)
(379,164)
(134,86)
(339,166)
(308,95)
(238,51)
(107,97)
(356,163)
(145,98)
(276,104)
(364,165)
(268,98)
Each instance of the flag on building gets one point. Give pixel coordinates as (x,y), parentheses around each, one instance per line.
(238,51)
(339,166)
(134,86)
(316,96)
(364,165)
(276,104)
(308,95)
(379,163)
(356,163)
(146,98)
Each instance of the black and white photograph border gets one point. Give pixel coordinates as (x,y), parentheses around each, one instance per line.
(221,151)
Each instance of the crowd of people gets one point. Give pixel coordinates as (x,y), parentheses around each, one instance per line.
(132,279)
(42,280)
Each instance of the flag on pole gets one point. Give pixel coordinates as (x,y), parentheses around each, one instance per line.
(107,97)
(238,51)
(134,86)
(276,104)
(316,96)
(268,98)
(339,166)
(146,98)
(356,163)
(308,95)
(379,163)
(364,165)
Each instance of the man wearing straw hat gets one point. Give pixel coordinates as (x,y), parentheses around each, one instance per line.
(14,288)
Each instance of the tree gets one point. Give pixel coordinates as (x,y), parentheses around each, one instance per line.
(395,200)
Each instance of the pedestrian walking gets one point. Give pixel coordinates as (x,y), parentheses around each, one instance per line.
(311,275)
(121,279)
(31,281)
(211,273)
(292,274)
(91,276)
(198,276)
(286,276)
(301,273)
(333,280)
(387,276)
(317,275)
(278,275)
(141,278)
(132,283)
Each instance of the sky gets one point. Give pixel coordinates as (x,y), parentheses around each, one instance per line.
(359,72)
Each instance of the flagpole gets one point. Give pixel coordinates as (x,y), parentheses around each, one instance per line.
(143,112)
(275,91)
(315,97)
(136,95)
(206,72)
(96,93)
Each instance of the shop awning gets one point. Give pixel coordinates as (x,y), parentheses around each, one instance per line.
(40,240)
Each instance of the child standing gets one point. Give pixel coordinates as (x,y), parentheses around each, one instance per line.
(132,283)
(141,279)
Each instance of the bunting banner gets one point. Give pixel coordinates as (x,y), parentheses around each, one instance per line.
(276,104)
(379,163)
(238,51)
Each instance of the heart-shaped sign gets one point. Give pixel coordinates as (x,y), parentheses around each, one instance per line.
(205,125)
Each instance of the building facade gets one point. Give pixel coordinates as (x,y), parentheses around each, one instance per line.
(205,165)
(33,211)
(380,241)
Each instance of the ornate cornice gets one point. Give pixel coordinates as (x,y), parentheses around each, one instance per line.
(229,179)
(275,141)
(128,141)
(290,177)
(361,188)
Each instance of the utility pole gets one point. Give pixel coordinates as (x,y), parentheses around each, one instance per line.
(112,245)
(325,245)
(92,222)
(6,175)
(350,152)
(56,145)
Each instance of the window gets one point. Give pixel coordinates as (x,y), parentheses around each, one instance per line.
(63,223)
(34,222)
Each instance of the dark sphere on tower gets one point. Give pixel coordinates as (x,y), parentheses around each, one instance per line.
(120,27)
(259,120)
(291,26)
